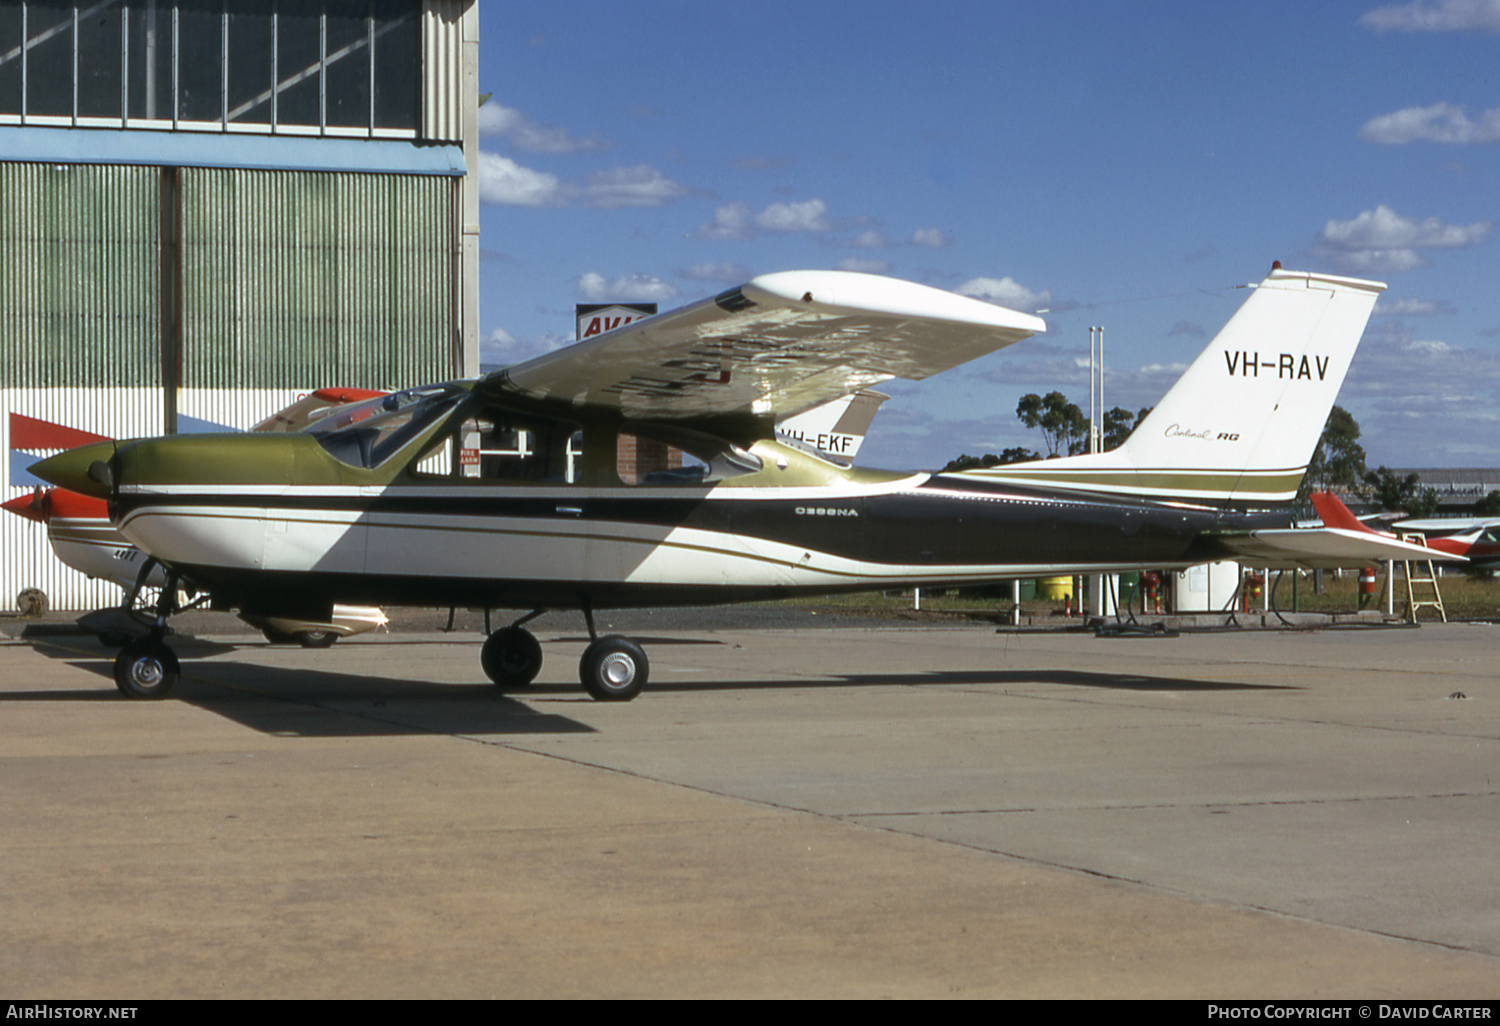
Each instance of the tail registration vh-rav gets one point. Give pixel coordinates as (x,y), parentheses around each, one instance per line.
(479,493)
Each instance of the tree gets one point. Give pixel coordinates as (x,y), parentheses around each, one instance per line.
(1065,427)
(1403,494)
(1063,423)
(1488,506)
(1013,455)
(1119,424)
(1338,460)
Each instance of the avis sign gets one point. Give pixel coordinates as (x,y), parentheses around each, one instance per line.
(597,318)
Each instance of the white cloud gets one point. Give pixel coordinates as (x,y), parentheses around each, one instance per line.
(870,239)
(1006,292)
(1442,122)
(636,288)
(865,266)
(500,348)
(1423,402)
(933,238)
(1410,308)
(806,216)
(1069,373)
(638,186)
(1442,16)
(1382,241)
(731,221)
(738,221)
(530,136)
(502,180)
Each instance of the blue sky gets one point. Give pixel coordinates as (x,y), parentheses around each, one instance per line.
(1120,164)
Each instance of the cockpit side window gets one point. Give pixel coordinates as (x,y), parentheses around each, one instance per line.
(499,445)
(369,433)
(655,457)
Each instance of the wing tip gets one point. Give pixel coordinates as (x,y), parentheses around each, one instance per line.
(880,294)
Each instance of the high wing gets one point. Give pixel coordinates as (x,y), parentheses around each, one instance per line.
(1441,525)
(775,346)
(1342,541)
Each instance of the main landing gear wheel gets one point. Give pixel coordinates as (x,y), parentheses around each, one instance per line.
(316,639)
(511,657)
(613,669)
(146,669)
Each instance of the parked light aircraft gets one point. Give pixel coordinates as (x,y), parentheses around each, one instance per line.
(401,500)
(1476,542)
(82,537)
(1471,540)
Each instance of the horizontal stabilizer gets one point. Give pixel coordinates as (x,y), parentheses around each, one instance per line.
(1320,548)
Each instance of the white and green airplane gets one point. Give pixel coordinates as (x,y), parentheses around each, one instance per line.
(476,493)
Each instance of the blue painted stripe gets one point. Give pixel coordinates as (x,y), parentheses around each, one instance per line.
(218,149)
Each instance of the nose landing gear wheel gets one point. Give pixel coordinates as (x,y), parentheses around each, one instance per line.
(511,657)
(146,669)
(613,669)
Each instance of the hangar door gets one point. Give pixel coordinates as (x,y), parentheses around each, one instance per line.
(294,279)
(144,300)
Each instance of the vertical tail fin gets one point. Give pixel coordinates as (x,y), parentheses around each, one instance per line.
(1240,424)
(1332,511)
(837,427)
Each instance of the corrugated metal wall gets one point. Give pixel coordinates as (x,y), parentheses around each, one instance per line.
(302,280)
(290,281)
(442,70)
(78,273)
(79,332)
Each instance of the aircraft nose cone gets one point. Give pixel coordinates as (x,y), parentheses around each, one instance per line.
(32,507)
(85,470)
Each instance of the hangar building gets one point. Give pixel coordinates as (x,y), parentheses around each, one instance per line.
(210,207)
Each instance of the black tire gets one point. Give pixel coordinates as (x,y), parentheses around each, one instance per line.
(146,669)
(614,669)
(316,639)
(511,657)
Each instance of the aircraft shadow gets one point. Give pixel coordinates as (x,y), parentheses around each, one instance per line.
(63,645)
(951,678)
(322,703)
(319,703)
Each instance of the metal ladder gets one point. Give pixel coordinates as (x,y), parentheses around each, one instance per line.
(1412,602)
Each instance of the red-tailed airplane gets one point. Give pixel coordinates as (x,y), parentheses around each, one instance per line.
(1458,548)
(82,537)
(425,496)
(1478,546)
(1472,540)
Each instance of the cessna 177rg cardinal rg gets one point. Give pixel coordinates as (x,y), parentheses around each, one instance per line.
(462,493)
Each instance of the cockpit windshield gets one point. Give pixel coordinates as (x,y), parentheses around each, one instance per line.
(369,433)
